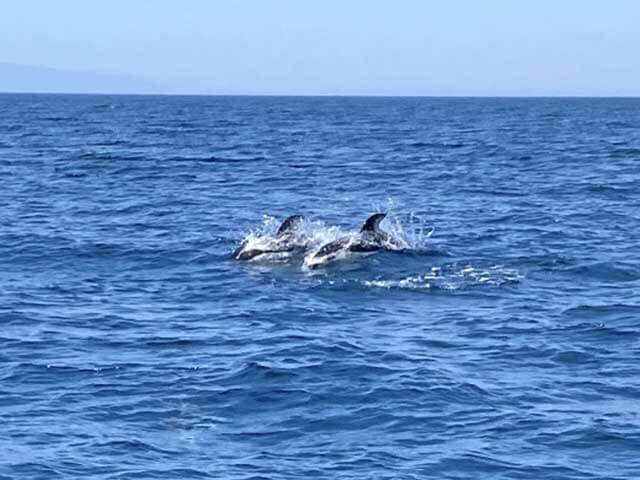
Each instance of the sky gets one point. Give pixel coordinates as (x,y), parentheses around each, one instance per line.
(346,47)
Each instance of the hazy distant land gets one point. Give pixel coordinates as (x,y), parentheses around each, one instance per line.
(15,78)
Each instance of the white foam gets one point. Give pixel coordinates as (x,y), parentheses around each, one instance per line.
(453,278)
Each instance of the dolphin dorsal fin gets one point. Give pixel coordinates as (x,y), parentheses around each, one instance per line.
(373,222)
(289,223)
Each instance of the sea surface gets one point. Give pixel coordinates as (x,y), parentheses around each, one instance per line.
(502,343)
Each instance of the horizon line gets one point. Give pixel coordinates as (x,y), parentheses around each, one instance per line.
(313,95)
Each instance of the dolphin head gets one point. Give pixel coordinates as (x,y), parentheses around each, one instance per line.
(245,255)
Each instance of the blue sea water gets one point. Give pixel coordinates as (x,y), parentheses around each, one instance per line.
(504,343)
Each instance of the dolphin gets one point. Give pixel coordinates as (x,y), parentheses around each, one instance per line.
(370,240)
(287,240)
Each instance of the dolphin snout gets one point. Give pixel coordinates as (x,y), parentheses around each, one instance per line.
(247,254)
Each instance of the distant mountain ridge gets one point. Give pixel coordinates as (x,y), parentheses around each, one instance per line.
(17,78)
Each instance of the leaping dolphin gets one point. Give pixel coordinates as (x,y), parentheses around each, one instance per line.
(370,240)
(287,240)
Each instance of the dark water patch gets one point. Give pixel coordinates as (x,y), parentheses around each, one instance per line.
(106,106)
(435,145)
(606,272)
(111,156)
(28,135)
(111,143)
(300,165)
(633,153)
(604,313)
(217,159)
(55,118)
(124,447)
(619,124)
(35,470)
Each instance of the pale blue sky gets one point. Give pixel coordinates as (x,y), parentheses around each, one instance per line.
(411,47)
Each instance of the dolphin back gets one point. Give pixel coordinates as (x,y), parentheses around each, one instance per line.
(332,247)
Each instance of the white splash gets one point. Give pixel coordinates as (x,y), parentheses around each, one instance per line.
(411,229)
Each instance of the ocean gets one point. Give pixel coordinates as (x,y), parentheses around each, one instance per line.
(502,343)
